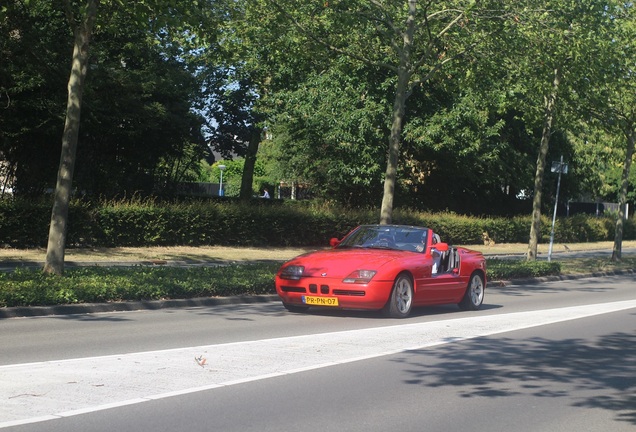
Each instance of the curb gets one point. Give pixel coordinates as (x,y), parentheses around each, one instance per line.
(127,306)
(537,280)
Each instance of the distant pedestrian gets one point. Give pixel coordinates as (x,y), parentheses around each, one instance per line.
(265,193)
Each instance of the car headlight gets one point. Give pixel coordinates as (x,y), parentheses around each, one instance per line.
(360,276)
(292,272)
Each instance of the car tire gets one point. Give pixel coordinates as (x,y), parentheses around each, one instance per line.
(401,299)
(295,308)
(474,295)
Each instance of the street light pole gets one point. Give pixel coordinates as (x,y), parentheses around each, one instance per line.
(561,168)
(221,168)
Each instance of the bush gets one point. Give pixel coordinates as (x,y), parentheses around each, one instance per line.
(269,223)
(505,269)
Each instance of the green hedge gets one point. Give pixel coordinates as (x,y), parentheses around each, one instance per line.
(257,223)
(500,269)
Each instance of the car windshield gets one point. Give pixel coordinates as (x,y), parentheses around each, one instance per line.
(404,238)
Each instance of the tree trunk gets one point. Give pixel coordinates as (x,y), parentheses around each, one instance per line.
(390,177)
(247,178)
(59,215)
(399,107)
(618,235)
(535,227)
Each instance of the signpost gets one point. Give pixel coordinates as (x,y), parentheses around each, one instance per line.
(222,168)
(561,168)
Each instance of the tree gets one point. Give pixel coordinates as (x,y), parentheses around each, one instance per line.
(139,132)
(329,130)
(548,119)
(33,77)
(612,102)
(547,43)
(332,123)
(412,41)
(466,147)
(82,19)
(234,127)
(82,24)
(247,177)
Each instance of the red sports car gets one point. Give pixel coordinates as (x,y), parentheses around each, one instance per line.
(388,267)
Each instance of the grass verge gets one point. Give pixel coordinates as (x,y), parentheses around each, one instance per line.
(28,287)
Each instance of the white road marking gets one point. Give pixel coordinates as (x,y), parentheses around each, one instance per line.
(41,391)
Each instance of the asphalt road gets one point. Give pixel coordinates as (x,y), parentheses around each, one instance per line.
(547,356)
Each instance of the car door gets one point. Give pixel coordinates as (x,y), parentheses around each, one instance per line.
(444,285)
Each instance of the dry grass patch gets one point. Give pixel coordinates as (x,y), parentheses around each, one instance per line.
(596,265)
(181,253)
(515,248)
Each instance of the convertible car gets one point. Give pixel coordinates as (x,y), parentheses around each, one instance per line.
(389,267)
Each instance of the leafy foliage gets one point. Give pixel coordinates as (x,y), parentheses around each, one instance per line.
(321,78)
(329,133)
(137,118)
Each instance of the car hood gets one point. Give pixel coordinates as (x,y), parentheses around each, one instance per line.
(339,263)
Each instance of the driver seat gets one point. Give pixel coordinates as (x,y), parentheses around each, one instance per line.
(388,239)
(437,255)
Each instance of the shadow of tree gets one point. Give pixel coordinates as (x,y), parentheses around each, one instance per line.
(600,375)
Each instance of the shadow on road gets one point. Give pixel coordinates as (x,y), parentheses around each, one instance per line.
(604,372)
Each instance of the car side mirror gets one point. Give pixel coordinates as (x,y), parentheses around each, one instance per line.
(442,247)
(334,242)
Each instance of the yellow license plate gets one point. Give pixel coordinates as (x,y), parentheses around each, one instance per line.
(320,301)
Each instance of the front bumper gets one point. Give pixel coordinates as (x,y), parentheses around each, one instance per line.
(373,295)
